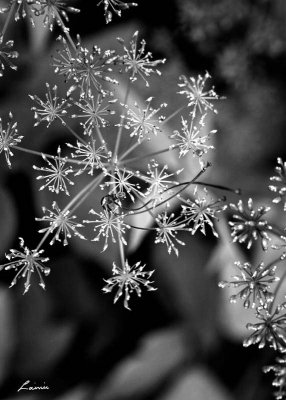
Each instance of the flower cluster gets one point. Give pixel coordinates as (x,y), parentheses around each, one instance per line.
(128,279)
(254,284)
(198,97)
(271,328)
(279,182)
(258,286)
(60,222)
(9,138)
(26,262)
(248,224)
(115,6)
(279,382)
(133,179)
(7,54)
(136,62)
(87,69)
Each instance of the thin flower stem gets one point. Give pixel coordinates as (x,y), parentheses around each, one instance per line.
(73,132)
(118,139)
(100,137)
(38,153)
(121,250)
(142,229)
(236,191)
(89,187)
(156,152)
(66,31)
(279,284)
(173,115)
(128,151)
(8,19)
(275,230)
(186,185)
(92,184)
(144,155)
(120,243)
(85,196)
(145,205)
(177,227)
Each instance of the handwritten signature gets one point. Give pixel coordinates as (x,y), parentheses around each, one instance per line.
(26,386)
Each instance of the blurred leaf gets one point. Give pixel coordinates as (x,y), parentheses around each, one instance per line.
(160,353)
(7,333)
(186,287)
(196,384)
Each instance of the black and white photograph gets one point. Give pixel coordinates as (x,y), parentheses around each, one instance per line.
(142,200)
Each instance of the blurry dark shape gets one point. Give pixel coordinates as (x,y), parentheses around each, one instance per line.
(242,38)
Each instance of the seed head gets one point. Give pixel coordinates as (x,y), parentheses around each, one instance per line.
(128,279)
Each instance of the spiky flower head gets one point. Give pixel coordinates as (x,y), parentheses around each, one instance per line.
(253,284)
(248,225)
(26,262)
(23,8)
(61,223)
(190,138)
(108,225)
(53,11)
(121,181)
(9,138)
(279,382)
(136,62)
(51,108)
(201,213)
(167,229)
(115,6)
(279,182)
(159,180)
(270,330)
(94,111)
(6,55)
(89,69)
(144,122)
(89,155)
(55,174)
(128,279)
(199,98)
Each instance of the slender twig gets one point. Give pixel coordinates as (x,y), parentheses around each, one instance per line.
(8,19)
(73,132)
(173,115)
(185,184)
(220,187)
(149,155)
(118,138)
(99,134)
(279,284)
(66,31)
(41,154)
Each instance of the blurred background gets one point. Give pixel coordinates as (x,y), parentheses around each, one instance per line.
(182,342)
